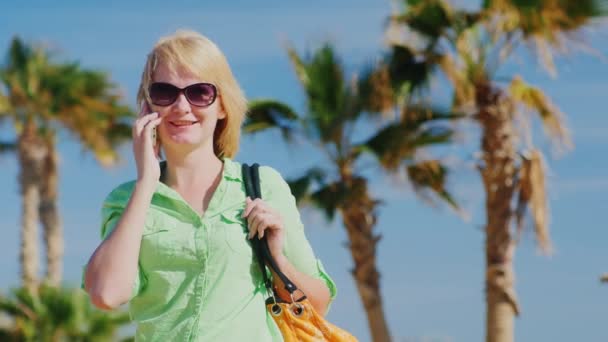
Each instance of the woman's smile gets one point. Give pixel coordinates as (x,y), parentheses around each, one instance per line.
(182,123)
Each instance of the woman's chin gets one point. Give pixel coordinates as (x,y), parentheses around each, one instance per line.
(182,139)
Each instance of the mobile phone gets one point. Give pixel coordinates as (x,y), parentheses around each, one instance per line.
(145,110)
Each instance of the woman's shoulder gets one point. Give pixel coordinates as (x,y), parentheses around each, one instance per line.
(271,180)
(268,174)
(120,195)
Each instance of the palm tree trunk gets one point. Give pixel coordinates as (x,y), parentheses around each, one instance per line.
(49,215)
(359,220)
(31,153)
(498,174)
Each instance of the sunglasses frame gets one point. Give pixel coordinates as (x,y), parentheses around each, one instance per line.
(184,91)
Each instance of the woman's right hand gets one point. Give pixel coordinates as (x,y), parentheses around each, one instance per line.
(148,168)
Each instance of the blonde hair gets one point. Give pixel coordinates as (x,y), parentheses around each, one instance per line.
(195,53)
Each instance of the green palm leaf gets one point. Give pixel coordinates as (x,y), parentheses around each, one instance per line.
(329,198)
(406,68)
(434,19)
(300,187)
(429,18)
(547,18)
(399,142)
(64,95)
(331,103)
(265,114)
(7,147)
(312,189)
(65,314)
(430,175)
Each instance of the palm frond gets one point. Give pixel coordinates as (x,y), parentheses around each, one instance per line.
(299,66)
(534,99)
(65,95)
(430,176)
(435,19)
(7,147)
(464,88)
(4,105)
(406,67)
(119,133)
(375,90)
(93,115)
(415,116)
(331,102)
(544,24)
(300,187)
(328,197)
(532,195)
(63,313)
(547,19)
(7,334)
(10,308)
(429,18)
(398,142)
(265,114)
(331,197)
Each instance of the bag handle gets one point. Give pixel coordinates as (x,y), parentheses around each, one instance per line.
(251,179)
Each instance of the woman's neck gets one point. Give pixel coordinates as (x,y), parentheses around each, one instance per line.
(192,169)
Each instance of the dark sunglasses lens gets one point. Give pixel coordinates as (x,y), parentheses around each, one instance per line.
(201,94)
(163,94)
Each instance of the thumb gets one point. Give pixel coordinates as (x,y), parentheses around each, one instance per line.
(248,202)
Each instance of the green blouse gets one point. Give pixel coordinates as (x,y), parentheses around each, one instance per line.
(198,277)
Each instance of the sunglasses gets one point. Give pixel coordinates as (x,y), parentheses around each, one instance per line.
(198,94)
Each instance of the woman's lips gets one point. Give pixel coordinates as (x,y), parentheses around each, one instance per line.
(182,123)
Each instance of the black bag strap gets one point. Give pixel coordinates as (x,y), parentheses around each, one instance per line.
(255,243)
(251,180)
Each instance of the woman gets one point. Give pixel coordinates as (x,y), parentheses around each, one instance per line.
(175,240)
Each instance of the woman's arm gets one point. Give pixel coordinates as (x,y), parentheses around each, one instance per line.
(112,269)
(263,220)
(279,219)
(316,290)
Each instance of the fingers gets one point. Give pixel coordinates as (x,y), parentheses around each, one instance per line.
(248,207)
(142,122)
(150,126)
(260,217)
(254,213)
(257,224)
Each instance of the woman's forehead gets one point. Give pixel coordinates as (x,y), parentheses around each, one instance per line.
(177,75)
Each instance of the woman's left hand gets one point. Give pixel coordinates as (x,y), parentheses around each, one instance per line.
(265,221)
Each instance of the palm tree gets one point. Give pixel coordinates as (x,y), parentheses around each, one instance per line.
(468,47)
(43,97)
(56,314)
(335,105)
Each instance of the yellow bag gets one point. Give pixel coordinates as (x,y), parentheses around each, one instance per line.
(297,320)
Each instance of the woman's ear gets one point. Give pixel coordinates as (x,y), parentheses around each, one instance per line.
(221,113)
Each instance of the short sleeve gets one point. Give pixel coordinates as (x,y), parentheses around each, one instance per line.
(297,249)
(111,214)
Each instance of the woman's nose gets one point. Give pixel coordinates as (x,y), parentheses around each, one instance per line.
(182,104)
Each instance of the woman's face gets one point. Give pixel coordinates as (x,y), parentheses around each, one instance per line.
(184,123)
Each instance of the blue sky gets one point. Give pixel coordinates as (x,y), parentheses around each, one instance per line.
(430,259)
